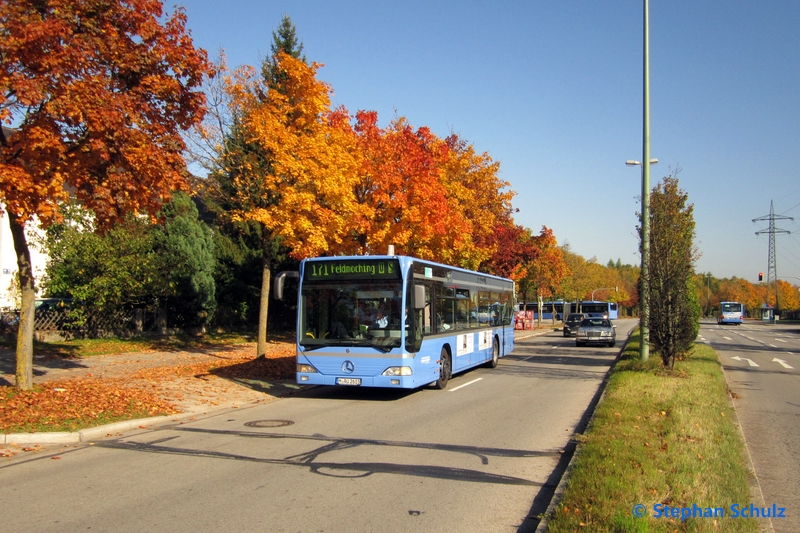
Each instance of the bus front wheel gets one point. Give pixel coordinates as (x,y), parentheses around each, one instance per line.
(445,370)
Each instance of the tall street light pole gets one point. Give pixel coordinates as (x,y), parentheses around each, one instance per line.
(644,346)
(644,286)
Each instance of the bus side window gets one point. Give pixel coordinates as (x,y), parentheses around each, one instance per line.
(445,314)
(425,319)
(462,309)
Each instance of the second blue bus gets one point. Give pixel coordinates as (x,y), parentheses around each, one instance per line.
(592,308)
(597,309)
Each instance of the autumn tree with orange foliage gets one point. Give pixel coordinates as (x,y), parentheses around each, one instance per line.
(398,188)
(738,290)
(482,199)
(515,249)
(319,181)
(429,197)
(788,295)
(96,94)
(290,167)
(586,276)
(304,192)
(547,271)
(238,165)
(713,290)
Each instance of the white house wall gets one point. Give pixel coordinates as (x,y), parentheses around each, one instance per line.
(8,260)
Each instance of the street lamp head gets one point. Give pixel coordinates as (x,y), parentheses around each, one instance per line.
(633,163)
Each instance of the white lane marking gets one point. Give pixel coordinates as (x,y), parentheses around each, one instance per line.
(465,384)
(750,361)
(771,345)
(780,340)
(782,363)
(727,338)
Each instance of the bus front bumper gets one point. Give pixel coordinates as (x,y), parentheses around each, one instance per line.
(394,382)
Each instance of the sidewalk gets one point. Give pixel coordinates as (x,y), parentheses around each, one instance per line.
(195,393)
(182,378)
(522,334)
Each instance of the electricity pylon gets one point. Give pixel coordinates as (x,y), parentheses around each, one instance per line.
(772,271)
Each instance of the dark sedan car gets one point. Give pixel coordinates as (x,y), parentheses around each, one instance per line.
(596,331)
(571,324)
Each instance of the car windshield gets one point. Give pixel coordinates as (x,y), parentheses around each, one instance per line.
(595,322)
(575,318)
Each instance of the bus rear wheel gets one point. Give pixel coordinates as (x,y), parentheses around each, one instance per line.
(445,370)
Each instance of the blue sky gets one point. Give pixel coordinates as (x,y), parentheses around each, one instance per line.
(553,90)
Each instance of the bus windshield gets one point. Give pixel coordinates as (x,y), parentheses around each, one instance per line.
(363,313)
(731,307)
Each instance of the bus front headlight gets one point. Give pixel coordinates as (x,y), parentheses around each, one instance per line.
(397,371)
(306,369)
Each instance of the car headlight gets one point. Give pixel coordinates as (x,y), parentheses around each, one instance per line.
(306,369)
(397,371)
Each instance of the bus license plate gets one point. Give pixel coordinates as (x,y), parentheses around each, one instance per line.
(348,381)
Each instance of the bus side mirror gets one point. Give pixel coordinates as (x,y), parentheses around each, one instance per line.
(280,279)
(419,296)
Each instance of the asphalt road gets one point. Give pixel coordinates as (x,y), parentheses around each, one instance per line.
(483,455)
(762,367)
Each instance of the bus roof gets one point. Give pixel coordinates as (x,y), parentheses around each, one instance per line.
(404,260)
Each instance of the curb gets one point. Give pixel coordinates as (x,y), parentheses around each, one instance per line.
(88,434)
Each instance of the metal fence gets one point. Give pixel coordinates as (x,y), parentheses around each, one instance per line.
(65,324)
(71,324)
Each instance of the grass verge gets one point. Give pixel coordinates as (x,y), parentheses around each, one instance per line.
(659,438)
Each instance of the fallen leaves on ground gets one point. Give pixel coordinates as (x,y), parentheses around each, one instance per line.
(70,404)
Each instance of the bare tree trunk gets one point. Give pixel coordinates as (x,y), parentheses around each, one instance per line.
(261,338)
(24,376)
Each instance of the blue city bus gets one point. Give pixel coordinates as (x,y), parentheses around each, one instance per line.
(597,309)
(730,313)
(592,308)
(397,321)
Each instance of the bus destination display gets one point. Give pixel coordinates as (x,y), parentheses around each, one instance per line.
(347,269)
